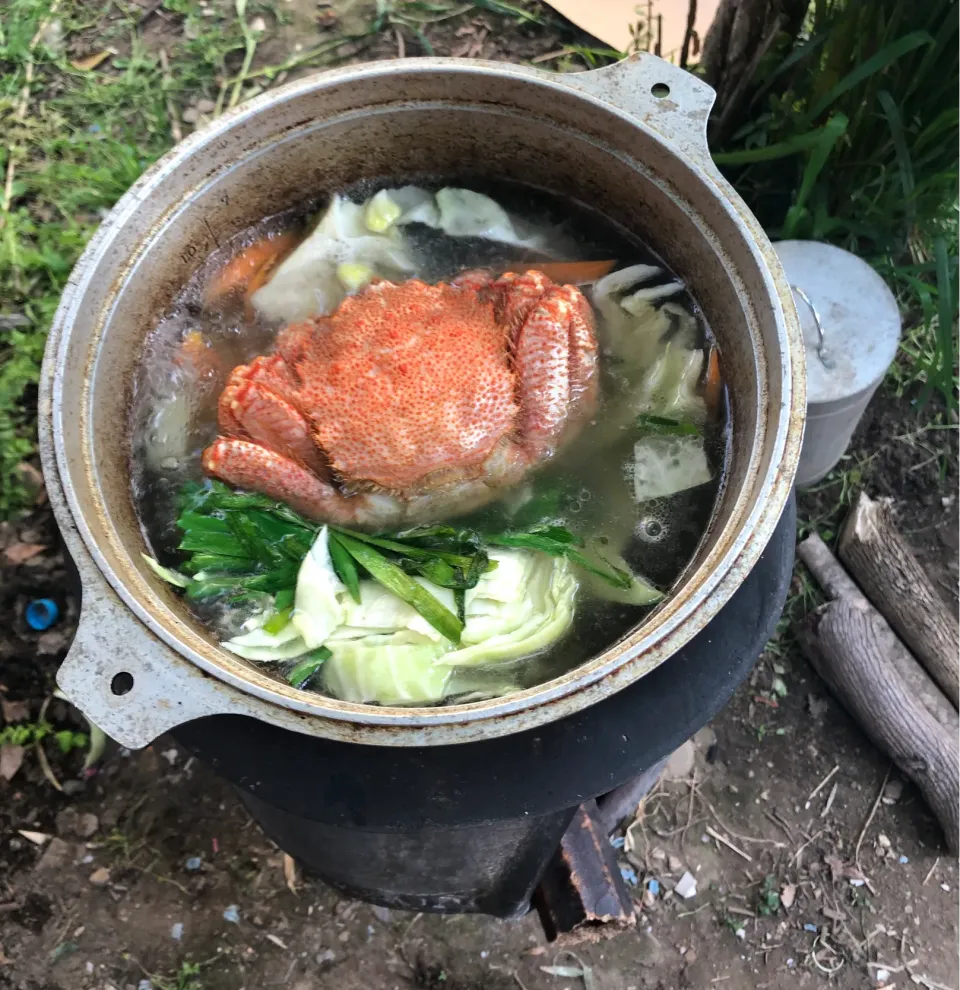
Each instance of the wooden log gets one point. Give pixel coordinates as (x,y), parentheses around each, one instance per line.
(838,584)
(885,567)
(822,564)
(845,644)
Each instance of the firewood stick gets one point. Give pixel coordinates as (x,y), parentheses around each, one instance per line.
(822,564)
(884,565)
(838,584)
(845,644)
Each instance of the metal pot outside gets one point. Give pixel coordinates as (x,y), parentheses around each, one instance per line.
(629,141)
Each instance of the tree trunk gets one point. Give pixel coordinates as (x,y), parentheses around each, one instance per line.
(741,33)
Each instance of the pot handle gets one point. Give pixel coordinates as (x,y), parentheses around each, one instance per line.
(669,100)
(126,680)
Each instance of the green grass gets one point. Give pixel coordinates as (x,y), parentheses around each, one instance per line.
(848,133)
(73,142)
(187,977)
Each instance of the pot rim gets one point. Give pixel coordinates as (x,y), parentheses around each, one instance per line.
(703,592)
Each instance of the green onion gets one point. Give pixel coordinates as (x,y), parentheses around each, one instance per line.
(283,599)
(666,427)
(345,567)
(404,587)
(306,669)
(221,544)
(457,559)
(279,621)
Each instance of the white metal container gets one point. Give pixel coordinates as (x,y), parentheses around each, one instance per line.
(851,330)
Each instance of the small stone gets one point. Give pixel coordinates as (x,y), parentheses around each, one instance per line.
(100,876)
(67,821)
(787,895)
(675,864)
(657,854)
(191,115)
(55,856)
(325,958)
(893,791)
(690,958)
(647,951)
(205,106)
(88,825)
(344,936)
(680,764)
(686,886)
(884,841)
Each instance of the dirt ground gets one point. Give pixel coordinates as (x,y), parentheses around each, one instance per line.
(145,872)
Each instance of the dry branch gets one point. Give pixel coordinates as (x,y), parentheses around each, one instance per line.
(891,576)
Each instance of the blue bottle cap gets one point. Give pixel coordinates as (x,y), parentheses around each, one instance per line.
(41,614)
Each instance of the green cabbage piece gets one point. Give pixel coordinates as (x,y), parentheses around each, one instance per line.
(384,652)
(665,465)
(307,284)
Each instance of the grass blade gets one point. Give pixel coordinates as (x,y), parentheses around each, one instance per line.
(886,56)
(834,129)
(892,113)
(404,587)
(945,376)
(782,149)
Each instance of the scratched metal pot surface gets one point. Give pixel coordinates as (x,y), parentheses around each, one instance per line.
(628,140)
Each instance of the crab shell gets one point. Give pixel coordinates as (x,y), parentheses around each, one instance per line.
(411,402)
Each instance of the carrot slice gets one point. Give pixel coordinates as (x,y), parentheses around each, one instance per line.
(712,383)
(249,269)
(567,272)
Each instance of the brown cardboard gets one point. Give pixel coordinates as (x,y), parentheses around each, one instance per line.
(610,20)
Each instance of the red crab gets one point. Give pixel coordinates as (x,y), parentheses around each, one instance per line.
(411,402)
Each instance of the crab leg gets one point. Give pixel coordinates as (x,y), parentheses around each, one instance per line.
(271,421)
(584,379)
(248,465)
(555,358)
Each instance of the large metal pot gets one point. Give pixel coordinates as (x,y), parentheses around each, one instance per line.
(628,141)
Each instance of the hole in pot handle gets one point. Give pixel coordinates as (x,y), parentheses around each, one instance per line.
(670,100)
(125,680)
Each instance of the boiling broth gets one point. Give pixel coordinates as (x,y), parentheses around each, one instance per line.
(174,412)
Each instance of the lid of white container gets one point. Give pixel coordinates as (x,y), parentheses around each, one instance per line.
(858,315)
